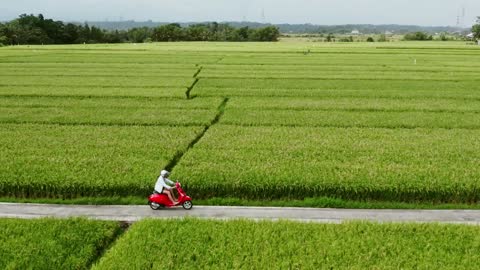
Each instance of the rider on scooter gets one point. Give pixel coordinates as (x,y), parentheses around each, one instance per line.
(162,187)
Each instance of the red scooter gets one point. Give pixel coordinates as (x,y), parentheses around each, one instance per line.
(158,201)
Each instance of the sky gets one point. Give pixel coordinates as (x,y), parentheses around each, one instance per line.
(324,12)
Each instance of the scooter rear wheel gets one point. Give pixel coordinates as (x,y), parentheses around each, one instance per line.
(187,205)
(155,206)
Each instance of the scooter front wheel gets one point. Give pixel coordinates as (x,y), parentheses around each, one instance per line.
(187,205)
(155,206)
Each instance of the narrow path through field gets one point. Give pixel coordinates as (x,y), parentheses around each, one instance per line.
(195,76)
(220,111)
(131,213)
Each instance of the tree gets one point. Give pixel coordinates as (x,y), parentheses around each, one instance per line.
(370,39)
(346,39)
(168,32)
(70,33)
(330,37)
(53,29)
(96,35)
(418,36)
(443,37)
(382,38)
(197,32)
(221,32)
(27,29)
(476,31)
(3,38)
(9,32)
(84,34)
(269,33)
(116,36)
(241,34)
(31,29)
(138,35)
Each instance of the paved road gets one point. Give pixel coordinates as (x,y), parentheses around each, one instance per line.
(134,213)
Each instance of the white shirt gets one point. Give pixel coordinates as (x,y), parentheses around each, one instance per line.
(161,183)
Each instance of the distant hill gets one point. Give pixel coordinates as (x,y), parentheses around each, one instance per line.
(296,28)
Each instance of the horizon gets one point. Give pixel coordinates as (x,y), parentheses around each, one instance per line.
(226,22)
(320,12)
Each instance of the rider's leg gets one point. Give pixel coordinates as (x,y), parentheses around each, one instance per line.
(173,195)
(169,194)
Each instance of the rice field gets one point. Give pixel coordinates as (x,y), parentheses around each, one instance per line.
(396,122)
(53,244)
(111,111)
(409,165)
(237,244)
(65,161)
(203,244)
(393,122)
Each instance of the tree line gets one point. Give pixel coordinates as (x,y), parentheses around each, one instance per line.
(31,29)
(295,28)
(476,29)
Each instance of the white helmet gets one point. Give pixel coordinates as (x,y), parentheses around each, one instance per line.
(164,173)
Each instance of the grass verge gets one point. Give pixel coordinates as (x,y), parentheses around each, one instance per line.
(321,202)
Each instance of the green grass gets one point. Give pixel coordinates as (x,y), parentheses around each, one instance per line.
(110,102)
(98,69)
(94,111)
(70,161)
(302,69)
(336,118)
(53,244)
(355,58)
(445,93)
(96,81)
(338,85)
(331,73)
(402,165)
(294,88)
(385,123)
(319,202)
(107,57)
(417,104)
(92,91)
(203,244)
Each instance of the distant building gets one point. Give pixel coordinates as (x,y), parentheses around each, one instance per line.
(388,33)
(355,32)
(470,36)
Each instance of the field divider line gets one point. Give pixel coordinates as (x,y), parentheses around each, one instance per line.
(178,156)
(219,60)
(195,76)
(198,72)
(100,252)
(190,88)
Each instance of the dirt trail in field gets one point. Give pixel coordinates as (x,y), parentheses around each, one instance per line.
(133,213)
